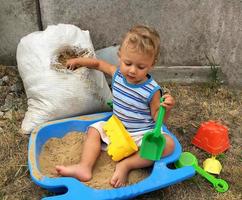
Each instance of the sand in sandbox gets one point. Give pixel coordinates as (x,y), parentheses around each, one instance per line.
(67,151)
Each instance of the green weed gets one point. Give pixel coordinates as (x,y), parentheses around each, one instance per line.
(215,70)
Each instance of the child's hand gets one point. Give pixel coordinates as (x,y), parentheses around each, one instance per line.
(169,102)
(71,64)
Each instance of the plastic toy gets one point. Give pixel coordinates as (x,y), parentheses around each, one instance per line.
(153,142)
(121,143)
(68,188)
(213,138)
(188,159)
(212,165)
(110,103)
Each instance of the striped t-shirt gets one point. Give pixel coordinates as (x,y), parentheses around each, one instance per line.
(131,102)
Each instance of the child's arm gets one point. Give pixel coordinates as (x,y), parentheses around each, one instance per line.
(91,63)
(155,104)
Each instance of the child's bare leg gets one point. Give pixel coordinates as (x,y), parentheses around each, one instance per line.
(170,145)
(91,151)
(123,168)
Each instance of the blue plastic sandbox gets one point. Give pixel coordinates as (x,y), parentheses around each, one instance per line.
(68,188)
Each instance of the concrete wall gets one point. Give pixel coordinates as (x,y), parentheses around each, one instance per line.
(230,46)
(188,28)
(17,18)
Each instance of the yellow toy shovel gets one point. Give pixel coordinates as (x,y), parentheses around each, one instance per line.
(153,142)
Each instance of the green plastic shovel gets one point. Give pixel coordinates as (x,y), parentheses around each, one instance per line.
(188,159)
(153,142)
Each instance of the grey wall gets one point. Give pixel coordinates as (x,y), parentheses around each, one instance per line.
(188,28)
(230,47)
(17,18)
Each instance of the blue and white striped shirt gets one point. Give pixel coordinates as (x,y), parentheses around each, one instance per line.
(131,102)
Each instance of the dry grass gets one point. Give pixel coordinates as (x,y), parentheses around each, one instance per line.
(195,104)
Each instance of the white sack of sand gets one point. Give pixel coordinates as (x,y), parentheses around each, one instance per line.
(54,92)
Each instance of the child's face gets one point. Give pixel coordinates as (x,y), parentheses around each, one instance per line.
(135,66)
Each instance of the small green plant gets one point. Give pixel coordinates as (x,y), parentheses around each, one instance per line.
(214,75)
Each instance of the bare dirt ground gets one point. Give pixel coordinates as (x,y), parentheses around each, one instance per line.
(194,105)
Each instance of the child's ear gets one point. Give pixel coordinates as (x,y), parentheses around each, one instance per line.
(118,55)
(155,61)
(153,64)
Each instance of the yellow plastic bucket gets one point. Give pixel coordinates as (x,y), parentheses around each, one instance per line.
(121,143)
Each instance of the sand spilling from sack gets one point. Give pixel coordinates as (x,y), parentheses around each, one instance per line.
(67,151)
(58,61)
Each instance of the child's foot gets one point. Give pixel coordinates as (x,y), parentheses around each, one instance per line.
(78,171)
(120,176)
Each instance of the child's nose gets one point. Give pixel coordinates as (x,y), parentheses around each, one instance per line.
(132,69)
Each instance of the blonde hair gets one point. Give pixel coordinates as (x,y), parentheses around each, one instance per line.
(143,39)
